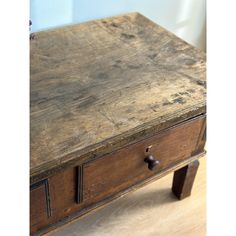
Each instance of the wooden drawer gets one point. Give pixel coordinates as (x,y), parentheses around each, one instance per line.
(126,167)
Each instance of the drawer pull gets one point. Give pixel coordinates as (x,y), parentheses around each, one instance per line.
(152,163)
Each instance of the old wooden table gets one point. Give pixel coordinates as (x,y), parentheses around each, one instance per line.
(115,103)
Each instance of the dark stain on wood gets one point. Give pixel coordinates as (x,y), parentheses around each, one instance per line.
(127,36)
(201,83)
(102,76)
(152,56)
(87,102)
(179,100)
(175,95)
(155,107)
(190,90)
(141,32)
(184,93)
(134,66)
(113,24)
(189,61)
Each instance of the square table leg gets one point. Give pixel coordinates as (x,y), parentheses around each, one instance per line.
(183,180)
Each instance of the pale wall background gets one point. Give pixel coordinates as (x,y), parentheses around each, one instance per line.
(185,18)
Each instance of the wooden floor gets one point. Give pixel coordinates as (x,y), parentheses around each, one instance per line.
(149,211)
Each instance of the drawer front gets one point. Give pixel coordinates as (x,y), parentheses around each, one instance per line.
(40,210)
(115,172)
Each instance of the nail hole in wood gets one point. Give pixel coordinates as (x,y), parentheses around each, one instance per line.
(148,148)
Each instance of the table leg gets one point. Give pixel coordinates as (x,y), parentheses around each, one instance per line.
(183,180)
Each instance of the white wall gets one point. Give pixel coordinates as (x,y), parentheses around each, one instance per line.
(185,18)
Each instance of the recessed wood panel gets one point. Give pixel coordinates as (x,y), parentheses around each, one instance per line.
(39,204)
(64,190)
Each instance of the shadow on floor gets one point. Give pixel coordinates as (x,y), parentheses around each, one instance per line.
(128,207)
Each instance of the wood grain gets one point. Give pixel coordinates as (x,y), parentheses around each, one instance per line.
(150,211)
(98,86)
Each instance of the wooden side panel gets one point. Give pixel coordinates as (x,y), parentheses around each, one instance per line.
(39,205)
(117,171)
(63,187)
(201,139)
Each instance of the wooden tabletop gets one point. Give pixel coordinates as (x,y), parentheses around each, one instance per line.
(99,85)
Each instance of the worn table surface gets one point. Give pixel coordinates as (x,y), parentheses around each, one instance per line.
(102,84)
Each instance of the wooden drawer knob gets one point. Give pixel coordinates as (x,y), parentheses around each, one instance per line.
(152,162)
